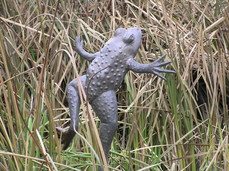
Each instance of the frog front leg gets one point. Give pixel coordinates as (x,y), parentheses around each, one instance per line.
(82,52)
(105,107)
(74,106)
(154,67)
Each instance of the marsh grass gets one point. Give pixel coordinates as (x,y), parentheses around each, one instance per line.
(178,124)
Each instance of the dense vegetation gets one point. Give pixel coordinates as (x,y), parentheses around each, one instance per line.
(178,124)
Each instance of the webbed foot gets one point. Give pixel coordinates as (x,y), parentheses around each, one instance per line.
(67,136)
(156,67)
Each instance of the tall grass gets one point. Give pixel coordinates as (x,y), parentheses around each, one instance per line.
(178,124)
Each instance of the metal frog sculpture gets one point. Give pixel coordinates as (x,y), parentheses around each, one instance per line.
(104,76)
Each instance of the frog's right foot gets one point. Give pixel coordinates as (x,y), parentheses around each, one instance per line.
(67,136)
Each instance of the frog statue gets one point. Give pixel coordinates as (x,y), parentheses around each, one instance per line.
(103,78)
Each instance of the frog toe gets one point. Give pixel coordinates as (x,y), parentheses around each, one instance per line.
(159,75)
(67,139)
(66,136)
(158,69)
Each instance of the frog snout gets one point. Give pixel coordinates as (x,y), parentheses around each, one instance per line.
(137,29)
(138,32)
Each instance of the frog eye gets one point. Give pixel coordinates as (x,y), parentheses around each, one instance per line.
(129,39)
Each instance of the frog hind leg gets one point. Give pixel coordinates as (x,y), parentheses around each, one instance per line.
(74,106)
(105,106)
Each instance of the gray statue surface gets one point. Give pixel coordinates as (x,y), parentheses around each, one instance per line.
(104,76)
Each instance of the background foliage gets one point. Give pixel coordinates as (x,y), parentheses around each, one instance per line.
(178,124)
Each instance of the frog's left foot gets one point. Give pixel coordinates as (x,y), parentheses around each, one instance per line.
(156,67)
(74,105)
(67,136)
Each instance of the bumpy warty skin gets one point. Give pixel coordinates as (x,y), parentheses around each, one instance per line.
(107,70)
(104,76)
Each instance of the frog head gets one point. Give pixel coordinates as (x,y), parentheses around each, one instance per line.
(129,40)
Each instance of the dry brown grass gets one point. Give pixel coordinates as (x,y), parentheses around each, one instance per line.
(181,124)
